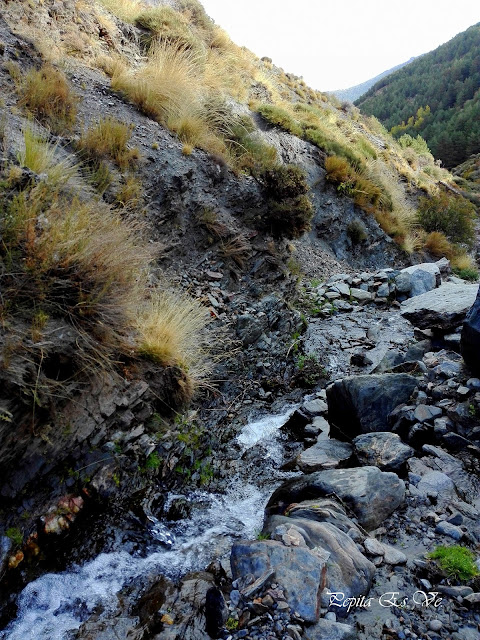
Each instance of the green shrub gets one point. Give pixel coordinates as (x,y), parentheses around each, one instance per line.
(452,215)
(290,218)
(289,208)
(15,535)
(457,562)
(467,274)
(285,181)
(321,139)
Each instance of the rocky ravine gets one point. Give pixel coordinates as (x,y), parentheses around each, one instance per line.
(383,468)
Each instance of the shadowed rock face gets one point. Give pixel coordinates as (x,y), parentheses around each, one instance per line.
(361,404)
(470,342)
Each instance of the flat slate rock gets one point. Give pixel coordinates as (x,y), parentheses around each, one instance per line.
(299,570)
(325,454)
(442,309)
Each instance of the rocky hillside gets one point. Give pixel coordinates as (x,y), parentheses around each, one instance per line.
(437,97)
(178,218)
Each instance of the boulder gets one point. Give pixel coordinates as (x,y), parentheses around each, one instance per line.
(347,570)
(470,340)
(384,450)
(361,404)
(301,572)
(437,484)
(325,454)
(371,494)
(423,277)
(442,309)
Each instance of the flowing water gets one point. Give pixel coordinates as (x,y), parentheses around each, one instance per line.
(54,604)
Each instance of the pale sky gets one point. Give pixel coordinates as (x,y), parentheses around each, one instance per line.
(336,44)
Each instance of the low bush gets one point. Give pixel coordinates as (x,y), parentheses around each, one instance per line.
(451,215)
(457,562)
(164,23)
(46,94)
(357,232)
(290,218)
(284,181)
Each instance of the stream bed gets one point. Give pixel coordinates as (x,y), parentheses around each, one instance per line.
(57,603)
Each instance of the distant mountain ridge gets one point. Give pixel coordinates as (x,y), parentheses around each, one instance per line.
(353,93)
(437,96)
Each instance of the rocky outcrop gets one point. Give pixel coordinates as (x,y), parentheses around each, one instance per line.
(325,454)
(361,404)
(383,450)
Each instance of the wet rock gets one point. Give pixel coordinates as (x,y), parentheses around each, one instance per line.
(383,449)
(442,309)
(361,404)
(470,340)
(347,570)
(370,493)
(297,567)
(325,454)
(5,550)
(328,629)
(315,407)
(215,612)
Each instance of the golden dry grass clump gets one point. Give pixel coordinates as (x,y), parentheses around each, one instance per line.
(47,95)
(108,139)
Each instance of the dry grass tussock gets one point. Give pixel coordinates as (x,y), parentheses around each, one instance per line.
(108,139)
(47,95)
(172,330)
(126,10)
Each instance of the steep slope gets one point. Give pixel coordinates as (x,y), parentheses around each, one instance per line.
(436,96)
(354,93)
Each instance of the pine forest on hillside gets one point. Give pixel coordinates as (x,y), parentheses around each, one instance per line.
(437,96)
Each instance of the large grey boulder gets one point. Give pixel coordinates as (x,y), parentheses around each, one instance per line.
(361,404)
(442,309)
(348,571)
(325,454)
(298,570)
(470,341)
(371,494)
(384,450)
